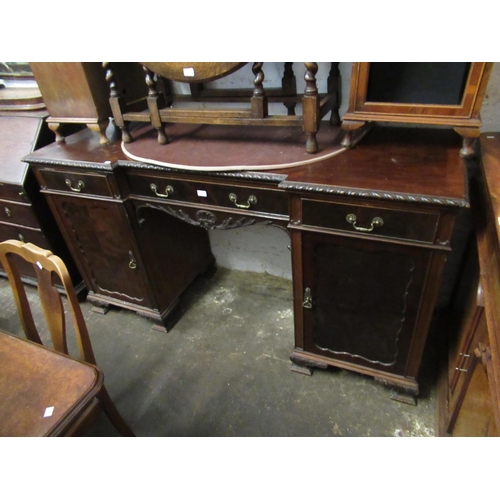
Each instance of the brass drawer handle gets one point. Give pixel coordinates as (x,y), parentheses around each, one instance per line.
(168,191)
(376,222)
(252,200)
(79,186)
(133,263)
(8,212)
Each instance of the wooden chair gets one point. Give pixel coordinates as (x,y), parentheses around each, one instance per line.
(47,266)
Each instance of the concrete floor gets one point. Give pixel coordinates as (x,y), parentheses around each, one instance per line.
(224,370)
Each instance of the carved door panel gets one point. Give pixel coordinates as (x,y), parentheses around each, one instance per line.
(102,244)
(364,299)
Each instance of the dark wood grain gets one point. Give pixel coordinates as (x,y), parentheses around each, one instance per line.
(413,178)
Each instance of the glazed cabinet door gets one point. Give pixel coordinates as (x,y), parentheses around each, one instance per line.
(361,303)
(101,241)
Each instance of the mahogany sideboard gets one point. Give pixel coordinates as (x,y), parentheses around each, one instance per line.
(370,233)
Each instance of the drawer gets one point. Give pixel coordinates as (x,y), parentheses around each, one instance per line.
(13,192)
(372,221)
(268,201)
(26,235)
(71,181)
(19,214)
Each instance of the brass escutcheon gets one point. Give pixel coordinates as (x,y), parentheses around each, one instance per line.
(132,264)
(307,303)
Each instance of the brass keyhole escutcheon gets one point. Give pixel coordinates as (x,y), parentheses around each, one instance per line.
(307,303)
(132,263)
(376,222)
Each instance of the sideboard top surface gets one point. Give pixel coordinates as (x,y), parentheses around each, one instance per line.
(420,164)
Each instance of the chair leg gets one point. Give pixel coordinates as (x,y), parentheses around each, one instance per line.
(113,414)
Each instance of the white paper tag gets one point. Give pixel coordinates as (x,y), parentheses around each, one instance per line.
(48,411)
(188,71)
(201,193)
(39,265)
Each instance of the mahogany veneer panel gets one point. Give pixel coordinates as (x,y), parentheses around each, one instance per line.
(413,177)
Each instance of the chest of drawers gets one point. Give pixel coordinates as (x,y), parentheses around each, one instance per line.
(24,213)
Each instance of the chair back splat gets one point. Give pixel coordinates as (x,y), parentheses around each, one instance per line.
(50,268)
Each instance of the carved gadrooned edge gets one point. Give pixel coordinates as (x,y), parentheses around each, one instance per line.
(106,166)
(258,176)
(377,195)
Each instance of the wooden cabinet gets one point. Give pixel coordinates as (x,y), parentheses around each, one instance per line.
(369,289)
(370,234)
(130,256)
(99,230)
(432,93)
(469,387)
(467,408)
(369,244)
(77,92)
(24,213)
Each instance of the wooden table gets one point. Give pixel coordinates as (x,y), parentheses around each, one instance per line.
(37,381)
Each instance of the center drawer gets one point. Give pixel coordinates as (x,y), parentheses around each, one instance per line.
(372,221)
(268,201)
(73,181)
